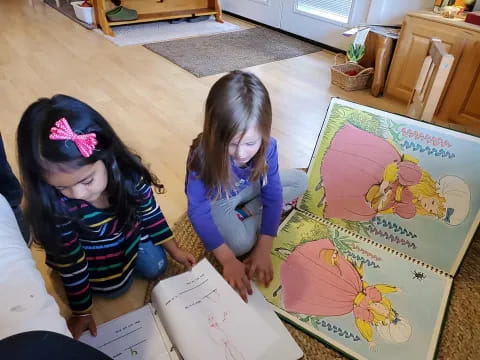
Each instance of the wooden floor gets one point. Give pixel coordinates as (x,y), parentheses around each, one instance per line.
(154,105)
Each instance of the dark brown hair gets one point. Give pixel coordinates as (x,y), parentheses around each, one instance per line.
(236,102)
(37,154)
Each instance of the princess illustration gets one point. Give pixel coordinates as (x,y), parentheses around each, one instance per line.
(317,280)
(364,175)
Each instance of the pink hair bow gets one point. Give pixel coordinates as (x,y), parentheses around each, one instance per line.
(85,143)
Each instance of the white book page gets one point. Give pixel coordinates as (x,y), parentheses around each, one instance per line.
(206,319)
(135,335)
(285,348)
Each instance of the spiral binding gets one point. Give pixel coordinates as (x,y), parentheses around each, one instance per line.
(380,246)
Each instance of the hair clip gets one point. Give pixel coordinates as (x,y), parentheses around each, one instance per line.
(85,143)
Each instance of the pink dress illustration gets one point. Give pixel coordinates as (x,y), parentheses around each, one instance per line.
(317,280)
(353,169)
(312,286)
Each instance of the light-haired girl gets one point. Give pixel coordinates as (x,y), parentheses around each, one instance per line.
(234,186)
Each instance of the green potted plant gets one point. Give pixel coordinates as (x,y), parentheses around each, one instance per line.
(355,52)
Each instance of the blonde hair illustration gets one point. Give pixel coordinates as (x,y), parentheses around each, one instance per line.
(427,188)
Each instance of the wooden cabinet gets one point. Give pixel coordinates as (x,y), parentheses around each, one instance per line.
(460,101)
(153,10)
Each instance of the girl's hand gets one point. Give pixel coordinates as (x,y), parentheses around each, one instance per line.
(78,324)
(235,273)
(259,263)
(184,258)
(180,255)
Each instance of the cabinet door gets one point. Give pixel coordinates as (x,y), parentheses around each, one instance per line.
(412,48)
(462,100)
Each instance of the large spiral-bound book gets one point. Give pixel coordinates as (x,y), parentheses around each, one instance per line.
(366,260)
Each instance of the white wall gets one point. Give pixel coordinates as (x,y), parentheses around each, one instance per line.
(283,14)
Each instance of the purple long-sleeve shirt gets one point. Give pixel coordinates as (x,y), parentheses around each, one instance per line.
(199,209)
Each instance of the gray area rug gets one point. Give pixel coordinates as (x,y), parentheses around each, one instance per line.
(208,55)
(67,10)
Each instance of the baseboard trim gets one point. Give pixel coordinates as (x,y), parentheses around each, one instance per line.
(324,46)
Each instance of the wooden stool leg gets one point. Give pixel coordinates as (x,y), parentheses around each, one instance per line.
(218,9)
(101,18)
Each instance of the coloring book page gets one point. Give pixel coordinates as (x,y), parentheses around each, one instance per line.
(410,185)
(366,301)
(133,336)
(206,319)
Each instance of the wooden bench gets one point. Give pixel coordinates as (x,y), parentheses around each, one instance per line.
(154,10)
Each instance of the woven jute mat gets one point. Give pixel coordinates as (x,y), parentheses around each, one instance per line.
(460,338)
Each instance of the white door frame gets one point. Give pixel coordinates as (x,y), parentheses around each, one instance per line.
(264,11)
(324,30)
(283,14)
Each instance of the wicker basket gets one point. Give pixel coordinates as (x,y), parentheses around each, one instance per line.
(347,82)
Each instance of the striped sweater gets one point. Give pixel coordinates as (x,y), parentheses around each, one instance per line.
(100,257)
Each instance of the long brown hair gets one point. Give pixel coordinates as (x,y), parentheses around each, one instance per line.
(37,155)
(236,102)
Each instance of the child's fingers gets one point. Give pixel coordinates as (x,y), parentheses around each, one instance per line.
(248,266)
(261,276)
(266,277)
(269,277)
(92,327)
(191,261)
(243,294)
(248,285)
(268,274)
(251,270)
(240,288)
(76,333)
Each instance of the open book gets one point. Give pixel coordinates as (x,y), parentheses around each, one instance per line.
(367,259)
(204,319)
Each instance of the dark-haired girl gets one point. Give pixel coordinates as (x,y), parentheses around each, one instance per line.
(90,204)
